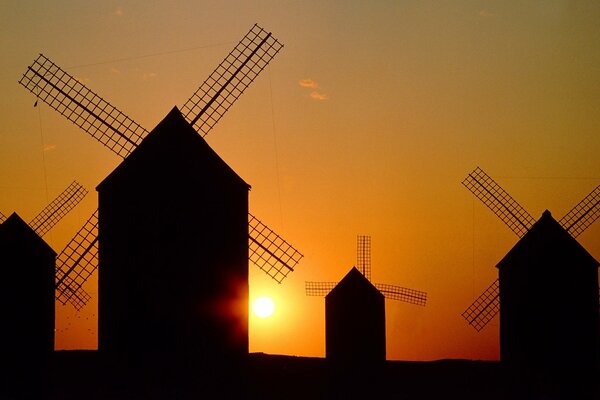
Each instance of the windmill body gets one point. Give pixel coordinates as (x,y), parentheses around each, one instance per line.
(355,321)
(548,300)
(27,296)
(173,230)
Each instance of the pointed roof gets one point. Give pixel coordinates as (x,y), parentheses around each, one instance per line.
(14,228)
(354,283)
(547,237)
(173,140)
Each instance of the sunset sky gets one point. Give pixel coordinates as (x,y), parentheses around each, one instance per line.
(365,123)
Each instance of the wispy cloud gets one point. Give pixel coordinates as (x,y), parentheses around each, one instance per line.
(49,147)
(119,11)
(149,75)
(115,71)
(485,14)
(308,83)
(318,96)
(314,94)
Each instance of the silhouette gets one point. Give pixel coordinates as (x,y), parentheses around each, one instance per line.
(355,311)
(122,135)
(547,290)
(355,321)
(174,249)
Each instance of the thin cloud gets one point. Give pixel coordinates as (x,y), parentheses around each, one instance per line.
(115,71)
(119,12)
(318,96)
(485,14)
(49,147)
(149,75)
(308,83)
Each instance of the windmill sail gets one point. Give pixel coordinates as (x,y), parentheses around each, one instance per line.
(406,295)
(2,217)
(80,105)
(484,308)
(230,79)
(499,201)
(319,288)
(363,255)
(76,263)
(583,214)
(269,251)
(58,208)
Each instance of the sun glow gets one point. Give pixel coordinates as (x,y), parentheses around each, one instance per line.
(263,307)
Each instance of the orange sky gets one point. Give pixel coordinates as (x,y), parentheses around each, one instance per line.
(365,123)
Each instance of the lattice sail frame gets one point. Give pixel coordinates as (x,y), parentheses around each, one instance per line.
(499,201)
(484,308)
(269,251)
(2,217)
(230,79)
(406,295)
(583,214)
(76,263)
(58,208)
(83,107)
(363,255)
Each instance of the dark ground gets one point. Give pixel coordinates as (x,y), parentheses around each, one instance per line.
(86,375)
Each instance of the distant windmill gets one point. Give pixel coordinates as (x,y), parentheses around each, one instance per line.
(486,306)
(391,292)
(56,210)
(122,135)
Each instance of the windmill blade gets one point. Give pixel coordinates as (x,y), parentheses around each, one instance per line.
(363,255)
(2,217)
(80,105)
(583,214)
(499,201)
(269,251)
(484,308)
(319,288)
(229,80)
(406,295)
(58,208)
(76,263)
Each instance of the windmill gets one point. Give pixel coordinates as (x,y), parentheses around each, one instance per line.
(391,292)
(26,258)
(49,83)
(56,209)
(487,305)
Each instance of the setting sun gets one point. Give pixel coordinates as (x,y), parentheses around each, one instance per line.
(263,307)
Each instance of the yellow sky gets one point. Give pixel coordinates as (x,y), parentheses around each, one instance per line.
(365,123)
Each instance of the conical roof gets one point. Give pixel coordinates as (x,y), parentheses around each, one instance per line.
(354,284)
(172,142)
(15,229)
(547,239)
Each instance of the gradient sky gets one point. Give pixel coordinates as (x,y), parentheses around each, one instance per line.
(365,123)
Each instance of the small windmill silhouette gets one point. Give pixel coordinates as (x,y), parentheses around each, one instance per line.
(487,305)
(391,292)
(49,83)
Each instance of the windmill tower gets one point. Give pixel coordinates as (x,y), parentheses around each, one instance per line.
(355,310)
(548,283)
(180,188)
(27,295)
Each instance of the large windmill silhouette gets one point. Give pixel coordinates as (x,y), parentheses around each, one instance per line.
(487,305)
(391,292)
(49,83)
